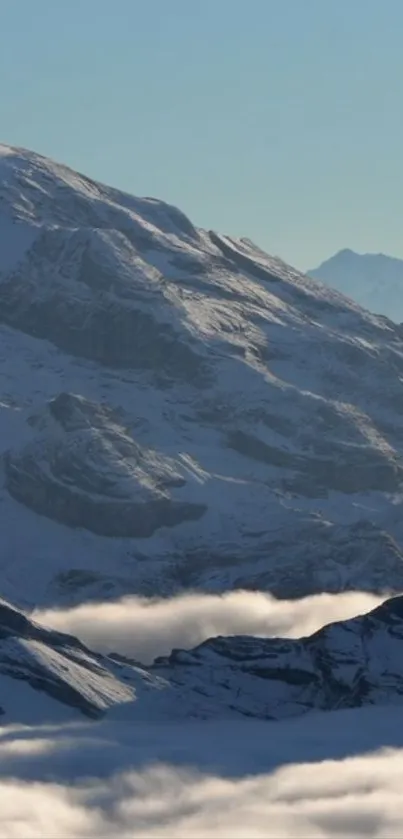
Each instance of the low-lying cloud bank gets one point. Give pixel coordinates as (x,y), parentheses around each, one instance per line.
(358,798)
(323,776)
(145,628)
(354,797)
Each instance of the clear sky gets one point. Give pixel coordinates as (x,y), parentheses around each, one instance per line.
(281,120)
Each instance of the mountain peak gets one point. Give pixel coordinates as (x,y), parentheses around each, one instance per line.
(345,253)
(42,191)
(375,280)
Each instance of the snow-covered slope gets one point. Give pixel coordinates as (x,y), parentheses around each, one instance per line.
(375,280)
(344,665)
(34,660)
(180,409)
(347,664)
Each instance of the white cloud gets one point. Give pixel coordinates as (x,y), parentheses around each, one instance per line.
(144,628)
(329,799)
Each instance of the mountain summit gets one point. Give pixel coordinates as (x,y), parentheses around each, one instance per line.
(374,280)
(180,409)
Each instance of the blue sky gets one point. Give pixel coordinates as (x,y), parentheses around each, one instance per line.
(281,120)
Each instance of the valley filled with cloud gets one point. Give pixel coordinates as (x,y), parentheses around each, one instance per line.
(145,628)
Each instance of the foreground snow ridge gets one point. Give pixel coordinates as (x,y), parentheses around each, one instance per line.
(343,665)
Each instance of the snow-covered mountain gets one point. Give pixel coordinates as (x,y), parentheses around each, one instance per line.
(343,665)
(374,280)
(180,409)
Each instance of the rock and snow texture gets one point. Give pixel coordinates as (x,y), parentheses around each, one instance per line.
(375,280)
(87,471)
(55,665)
(343,665)
(180,409)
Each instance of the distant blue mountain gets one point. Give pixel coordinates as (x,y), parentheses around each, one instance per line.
(374,280)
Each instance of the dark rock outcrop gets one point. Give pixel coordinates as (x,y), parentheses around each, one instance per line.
(85,470)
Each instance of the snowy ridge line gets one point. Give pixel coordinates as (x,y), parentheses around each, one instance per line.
(345,664)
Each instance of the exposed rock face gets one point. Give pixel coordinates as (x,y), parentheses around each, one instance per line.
(86,471)
(311,557)
(92,306)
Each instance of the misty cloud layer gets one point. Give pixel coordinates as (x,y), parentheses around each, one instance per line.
(144,629)
(201,793)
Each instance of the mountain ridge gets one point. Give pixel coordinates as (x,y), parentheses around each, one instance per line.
(347,664)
